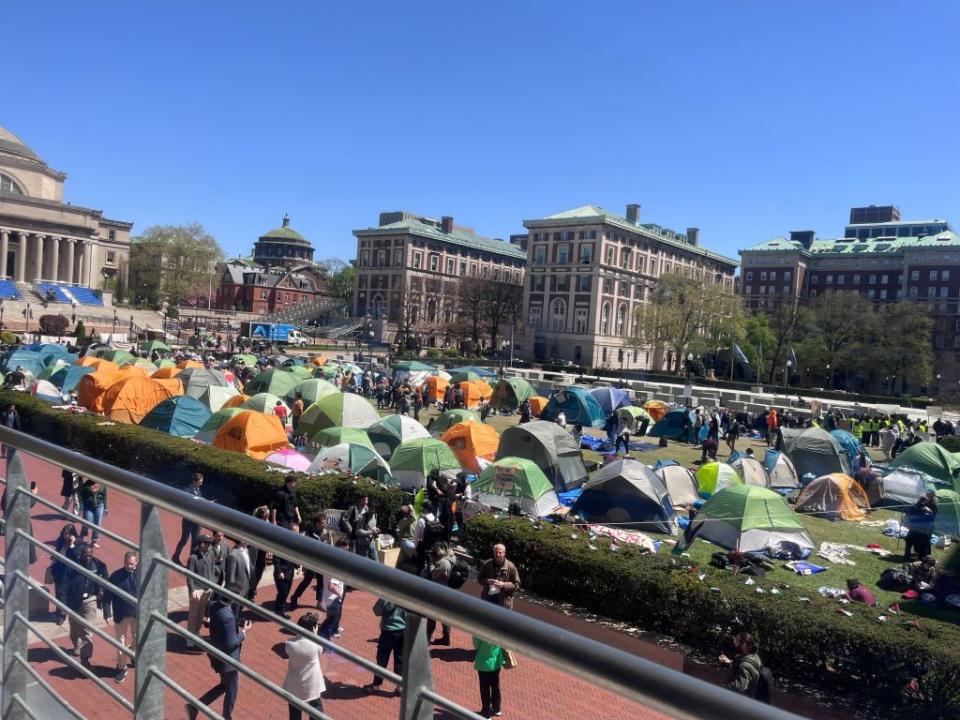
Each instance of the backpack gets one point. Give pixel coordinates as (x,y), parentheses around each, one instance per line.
(459,573)
(765,686)
(432,532)
(894,579)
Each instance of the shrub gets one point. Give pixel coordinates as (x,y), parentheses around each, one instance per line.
(805,640)
(433,353)
(53,324)
(951,443)
(80,332)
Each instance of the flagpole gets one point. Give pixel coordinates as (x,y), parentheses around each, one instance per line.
(731,358)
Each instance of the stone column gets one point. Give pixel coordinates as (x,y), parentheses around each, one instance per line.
(81,258)
(38,275)
(22,258)
(55,258)
(88,257)
(4,248)
(71,247)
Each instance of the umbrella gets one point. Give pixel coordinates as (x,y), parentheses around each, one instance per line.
(352,458)
(336,435)
(289,459)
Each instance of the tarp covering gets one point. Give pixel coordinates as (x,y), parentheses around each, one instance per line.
(254,433)
(610,399)
(628,494)
(551,447)
(130,399)
(510,392)
(472,443)
(833,497)
(673,425)
(181,416)
(849,443)
(814,451)
(387,433)
(714,476)
(578,405)
(519,482)
(412,461)
(931,458)
(680,483)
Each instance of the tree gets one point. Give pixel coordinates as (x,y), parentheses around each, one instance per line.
(902,345)
(173,263)
(341,280)
(502,302)
(685,315)
(470,307)
(834,332)
(53,324)
(783,321)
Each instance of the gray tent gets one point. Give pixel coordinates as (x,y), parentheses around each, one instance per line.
(627,493)
(899,488)
(196,381)
(549,446)
(680,484)
(814,451)
(751,471)
(781,471)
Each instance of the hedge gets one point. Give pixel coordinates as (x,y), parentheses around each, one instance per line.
(807,641)
(230,478)
(950,443)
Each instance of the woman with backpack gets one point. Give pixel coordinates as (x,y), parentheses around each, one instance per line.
(747,674)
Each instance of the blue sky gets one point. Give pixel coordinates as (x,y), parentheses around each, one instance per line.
(747,119)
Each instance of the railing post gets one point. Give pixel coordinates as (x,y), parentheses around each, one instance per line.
(417,675)
(151,635)
(16,591)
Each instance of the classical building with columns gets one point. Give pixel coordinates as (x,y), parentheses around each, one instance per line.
(45,241)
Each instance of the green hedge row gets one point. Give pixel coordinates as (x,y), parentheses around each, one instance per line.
(807,641)
(230,478)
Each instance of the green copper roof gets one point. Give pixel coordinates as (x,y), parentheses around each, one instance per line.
(420,228)
(850,246)
(284,233)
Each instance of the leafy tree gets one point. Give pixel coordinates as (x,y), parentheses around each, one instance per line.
(53,324)
(173,263)
(502,304)
(470,308)
(834,332)
(341,280)
(902,345)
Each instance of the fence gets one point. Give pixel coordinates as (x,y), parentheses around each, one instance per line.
(641,680)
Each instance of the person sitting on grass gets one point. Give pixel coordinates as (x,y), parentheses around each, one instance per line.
(858,592)
(924,574)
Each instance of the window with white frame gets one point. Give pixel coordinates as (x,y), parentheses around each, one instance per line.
(558,315)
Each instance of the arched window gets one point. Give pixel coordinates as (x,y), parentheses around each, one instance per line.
(558,314)
(621,319)
(431,310)
(605,319)
(377,306)
(9,185)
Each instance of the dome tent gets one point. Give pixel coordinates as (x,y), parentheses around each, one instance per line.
(781,471)
(181,416)
(833,497)
(680,483)
(388,433)
(448,418)
(196,380)
(815,451)
(673,425)
(342,409)
(512,481)
(352,458)
(931,458)
(510,392)
(412,461)
(473,444)
(627,493)
(611,399)
(714,476)
(213,424)
(254,433)
(130,399)
(751,471)
(577,405)
(899,488)
(551,447)
(633,417)
(336,435)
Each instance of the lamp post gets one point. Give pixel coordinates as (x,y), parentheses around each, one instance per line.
(689,361)
(938,383)
(829,378)
(1,314)
(893,383)
(786,380)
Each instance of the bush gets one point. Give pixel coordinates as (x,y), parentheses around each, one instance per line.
(80,331)
(433,353)
(53,324)
(230,478)
(951,443)
(805,640)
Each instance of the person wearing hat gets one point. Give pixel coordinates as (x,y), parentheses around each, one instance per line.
(201,563)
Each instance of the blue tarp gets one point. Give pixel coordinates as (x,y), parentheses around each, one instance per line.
(611,399)
(570,497)
(850,444)
(181,416)
(672,426)
(578,405)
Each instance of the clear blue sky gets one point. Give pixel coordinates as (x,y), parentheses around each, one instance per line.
(746,118)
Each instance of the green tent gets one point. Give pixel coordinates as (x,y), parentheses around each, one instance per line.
(750,519)
(299,372)
(516,481)
(328,371)
(353,458)
(155,346)
(510,392)
(165,362)
(140,362)
(947,521)
(311,390)
(276,381)
(413,460)
(118,356)
(714,476)
(343,409)
(264,402)
(52,369)
(932,459)
(248,360)
(633,417)
(464,377)
(446,420)
(412,366)
(215,396)
(336,435)
(390,432)
(213,424)
(181,416)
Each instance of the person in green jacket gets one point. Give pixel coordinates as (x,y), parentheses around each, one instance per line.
(488,661)
(393,623)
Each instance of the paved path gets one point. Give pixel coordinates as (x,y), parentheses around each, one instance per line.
(532,691)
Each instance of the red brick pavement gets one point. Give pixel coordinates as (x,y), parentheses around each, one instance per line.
(531,691)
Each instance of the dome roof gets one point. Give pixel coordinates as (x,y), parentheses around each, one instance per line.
(12,145)
(285,232)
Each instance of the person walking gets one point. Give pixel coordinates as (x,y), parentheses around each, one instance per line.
(201,563)
(258,557)
(439,569)
(304,678)
(93,501)
(297,410)
(487,662)
(746,669)
(359,523)
(236,577)
(733,431)
(71,484)
(121,612)
(286,506)
(333,602)
(188,528)
(499,579)
(84,597)
(66,545)
(227,636)
(283,573)
(393,624)
(318,531)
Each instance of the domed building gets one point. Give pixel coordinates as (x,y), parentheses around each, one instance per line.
(283,246)
(59,251)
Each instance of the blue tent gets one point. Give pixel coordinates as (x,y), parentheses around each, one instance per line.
(672,426)
(850,444)
(483,372)
(578,405)
(29,359)
(611,399)
(181,416)
(70,378)
(626,493)
(51,352)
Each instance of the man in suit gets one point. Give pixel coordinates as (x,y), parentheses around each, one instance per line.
(227,637)
(237,573)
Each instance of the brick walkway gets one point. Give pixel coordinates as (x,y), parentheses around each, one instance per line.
(532,691)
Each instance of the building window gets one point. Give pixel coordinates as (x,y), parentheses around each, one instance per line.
(463,269)
(871,293)
(604,355)
(263,294)
(621,318)
(451,264)
(605,319)
(397,257)
(534,316)
(763,276)
(558,315)
(611,253)
(829,279)
(872,280)
(539,254)
(788,275)
(483,271)
(883,293)
(583,283)
(537,283)
(841,279)
(434,262)
(638,292)
(945,276)
(749,277)
(364,258)
(608,286)
(773,275)
(914,275)
(111,258)
(580,319)
(563,254)
(563,283)
(933,276)
(381,258)
(7,185)
(417,260)
(914,291)
(856,278)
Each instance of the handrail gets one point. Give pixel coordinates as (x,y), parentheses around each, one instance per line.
(644,681)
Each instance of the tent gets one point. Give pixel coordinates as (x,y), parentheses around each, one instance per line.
(46,391)
(931,458)
(245,358)
(712,477)
(472,443)
(464,376)
(335,435)
(680,483)
(196,380)
(166,372)
(899,488)
(947,521)
(213,424)
(751,471)
(510,392)
(412,366)
(815,451)
(448,418)
(90,387)
(833,497)
(387,433)
(578,405)
(633,417)
(436,386)
(28,359)
(475,392)
(118,356)
(780,469)
(130,399)
(483,372)
(413,460)
(152,346)
(254,433)
(344,409)
(215,397)
(311,390)
(264,402)
(628,494)
(551,447)
(673,425)
(276,381)
(290,459)
(518,482)
(187,364)
(749,519)
(300,372)
(235,401)
(181,416)
(849,443)
(537,405)
(72,377)
(352,458)
(165,362)
(656,408)
(611,399)
(52,369)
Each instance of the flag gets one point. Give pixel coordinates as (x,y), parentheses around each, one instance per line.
(739,355)
(793,357)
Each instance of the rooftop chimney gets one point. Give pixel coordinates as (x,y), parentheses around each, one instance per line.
(633,213)
(446,223)
(804,237)
(693,236)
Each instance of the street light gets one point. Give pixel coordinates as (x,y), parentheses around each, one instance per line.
(938,383)
(1,314)
(829,378)
(787,378)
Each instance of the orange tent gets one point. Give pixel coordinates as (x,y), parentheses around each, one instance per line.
(436,386)
(132,371)
(165,373)
(130,399)
(475,392)
(254,433)
(236,401)
(537,404)
(655,408)
(92,386)
(471,441)
(319,360)
(184,364)
(98,363)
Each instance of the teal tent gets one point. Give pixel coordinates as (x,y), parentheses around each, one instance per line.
(180,416)
(577,404)
(72,377)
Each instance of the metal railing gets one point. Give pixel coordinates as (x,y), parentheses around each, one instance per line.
(638,679)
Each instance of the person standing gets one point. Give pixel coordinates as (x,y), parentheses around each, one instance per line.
(318,531)
(733,431)
(920,521)
(359,523)
(746,668)
(218,554)
(188,528)
(499,579)
(66,545)
(280,410)
(304,678)
(93,501)
(393,624)
(622,438)
(10,418)
(227,636)
(333,603)
(236,577)
(297,410)
(773,424)
(201,563)
(487,662)
(71,484)
(84,597)
(525,412)
(283,573)
(123,612)
(258,557)
(286,507)
(439,569)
